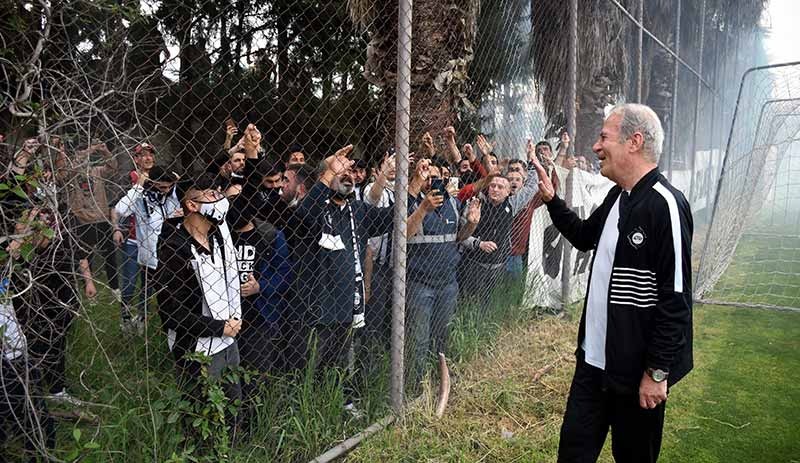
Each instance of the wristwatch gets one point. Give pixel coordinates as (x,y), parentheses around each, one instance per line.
(656,374)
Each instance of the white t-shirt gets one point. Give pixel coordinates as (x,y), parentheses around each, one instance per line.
(594,344)
(380,244)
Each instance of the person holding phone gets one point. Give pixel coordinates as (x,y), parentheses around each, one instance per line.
(433,258)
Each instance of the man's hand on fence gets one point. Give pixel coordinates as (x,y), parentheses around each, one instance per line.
(545,185)
(488,246)
(250,287)
(232,328)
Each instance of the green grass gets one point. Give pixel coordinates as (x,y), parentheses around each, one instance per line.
(130,383)
(739,404)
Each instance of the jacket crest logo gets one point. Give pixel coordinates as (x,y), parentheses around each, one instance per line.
(637,238)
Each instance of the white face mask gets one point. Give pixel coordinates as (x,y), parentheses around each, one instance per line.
(216,211)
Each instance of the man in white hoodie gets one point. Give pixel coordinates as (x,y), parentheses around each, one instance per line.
(198,292)
(151,200)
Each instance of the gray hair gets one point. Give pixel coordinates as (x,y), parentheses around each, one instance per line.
(641,118)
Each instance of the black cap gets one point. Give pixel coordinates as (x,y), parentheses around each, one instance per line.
(162,174)
(360,164)
(216,164)
(268,167)
(241,211)
(204,182)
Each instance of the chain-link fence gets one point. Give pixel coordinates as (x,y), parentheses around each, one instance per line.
(244,230)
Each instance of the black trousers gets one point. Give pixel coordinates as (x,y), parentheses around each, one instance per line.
(23,412)
(99,236)
(592,408)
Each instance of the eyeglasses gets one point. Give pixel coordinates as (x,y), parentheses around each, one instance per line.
(205,194)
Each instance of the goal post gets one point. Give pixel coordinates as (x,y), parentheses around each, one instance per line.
(751,248)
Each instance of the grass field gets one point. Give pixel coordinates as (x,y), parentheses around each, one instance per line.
(740,404)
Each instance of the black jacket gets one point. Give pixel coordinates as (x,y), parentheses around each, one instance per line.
(179,293)
(495,225)
(646,327)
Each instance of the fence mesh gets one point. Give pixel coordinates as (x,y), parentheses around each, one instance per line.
(204,203)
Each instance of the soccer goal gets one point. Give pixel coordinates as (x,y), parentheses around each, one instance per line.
(751,251)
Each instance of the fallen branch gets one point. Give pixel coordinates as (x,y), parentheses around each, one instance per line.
(76,415)
(348,445)
(543,371)
(444,386)
(725,422)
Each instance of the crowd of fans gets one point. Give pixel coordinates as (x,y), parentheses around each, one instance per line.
(260,262)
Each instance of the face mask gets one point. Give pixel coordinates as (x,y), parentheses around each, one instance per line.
(237,179)
(216,211)
(270,195)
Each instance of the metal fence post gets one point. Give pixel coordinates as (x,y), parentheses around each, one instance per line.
(402,121)
(639,53)
(698,95)
(674,111)
(571,113)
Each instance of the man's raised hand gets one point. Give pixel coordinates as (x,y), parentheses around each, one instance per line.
(545,185)
(450,134)
(422,169)
(474,210)
(387,164)
(469,152)
(530,148)
(428,150)
(484,145)
(339,161)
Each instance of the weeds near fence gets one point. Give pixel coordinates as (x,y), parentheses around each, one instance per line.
(133,406)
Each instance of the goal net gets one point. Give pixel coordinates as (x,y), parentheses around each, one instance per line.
(751,252)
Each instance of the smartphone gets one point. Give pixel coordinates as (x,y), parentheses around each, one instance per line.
(453,183)
(438,184)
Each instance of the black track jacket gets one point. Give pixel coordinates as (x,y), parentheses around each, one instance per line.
(648,325)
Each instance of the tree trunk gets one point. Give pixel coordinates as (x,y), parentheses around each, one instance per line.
(659,95)
(443,36)
(592,101)
(282,25)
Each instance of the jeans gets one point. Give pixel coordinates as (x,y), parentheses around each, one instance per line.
(130,276)
(378,312)
(430,311)
(514,267)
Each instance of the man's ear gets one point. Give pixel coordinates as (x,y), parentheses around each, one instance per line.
(189,206)
(637,141)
